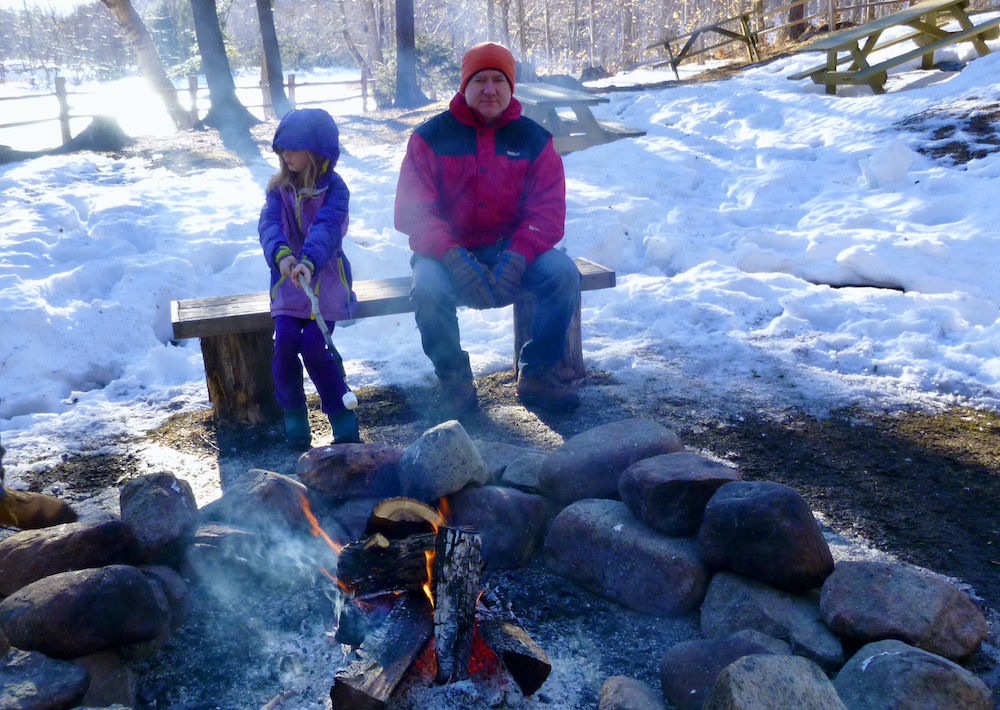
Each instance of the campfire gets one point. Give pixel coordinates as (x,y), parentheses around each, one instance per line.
(413,598)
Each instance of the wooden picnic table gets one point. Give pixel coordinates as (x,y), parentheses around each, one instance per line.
(743,33)
(565,113)
(857,44)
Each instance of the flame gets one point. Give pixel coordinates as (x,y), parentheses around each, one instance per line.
(314,528)
(429,554)
(443,509)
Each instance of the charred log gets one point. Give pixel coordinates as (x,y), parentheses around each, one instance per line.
(523,658)
(383,659)
(401,517)
(377,565)
(458,565)
(357,619)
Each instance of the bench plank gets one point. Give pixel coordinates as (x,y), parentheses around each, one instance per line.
(248,312)
(236,338)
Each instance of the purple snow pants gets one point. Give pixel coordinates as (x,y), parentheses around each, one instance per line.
(295,336)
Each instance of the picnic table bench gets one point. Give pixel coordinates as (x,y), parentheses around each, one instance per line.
(743,33)
(857,44)
(236,338)
(565,113)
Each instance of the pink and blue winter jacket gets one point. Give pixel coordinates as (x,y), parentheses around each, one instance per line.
(309,224)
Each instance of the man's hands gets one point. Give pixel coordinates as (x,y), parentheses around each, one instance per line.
(473,281)
(507,275)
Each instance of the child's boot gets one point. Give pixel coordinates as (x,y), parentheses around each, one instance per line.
(297,428)
(345,427)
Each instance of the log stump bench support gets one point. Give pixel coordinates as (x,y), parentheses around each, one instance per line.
(237,331)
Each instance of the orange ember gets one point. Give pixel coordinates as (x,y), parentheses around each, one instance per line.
(483,662)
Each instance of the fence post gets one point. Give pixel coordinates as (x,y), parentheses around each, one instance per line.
(364,89)
(63,109)
(831,22)
(291,90)
(193,96)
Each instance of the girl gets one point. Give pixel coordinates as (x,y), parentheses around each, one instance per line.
(302,229)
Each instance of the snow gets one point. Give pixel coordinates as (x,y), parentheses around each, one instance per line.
(775,246)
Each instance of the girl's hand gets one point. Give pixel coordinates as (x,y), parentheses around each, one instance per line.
(286,265)
(301,270)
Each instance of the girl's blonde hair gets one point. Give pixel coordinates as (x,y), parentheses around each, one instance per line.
(305,180)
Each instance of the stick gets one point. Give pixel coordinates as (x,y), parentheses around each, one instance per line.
(349,398)
(278,700)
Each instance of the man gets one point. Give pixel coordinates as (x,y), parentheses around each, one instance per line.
(482,197)
(31,510)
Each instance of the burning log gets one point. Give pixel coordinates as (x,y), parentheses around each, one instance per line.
(357,618)
(367,682)
(401,517)
(524,659)
(377,565)
(458,564)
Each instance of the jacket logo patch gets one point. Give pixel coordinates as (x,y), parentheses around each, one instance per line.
(513,154)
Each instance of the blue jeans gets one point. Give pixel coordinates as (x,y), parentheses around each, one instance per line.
(295,336)
(552,277)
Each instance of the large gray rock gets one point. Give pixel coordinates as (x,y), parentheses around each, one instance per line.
(498,456)
(870,601)
(599,545)
(162,510)
(75,613)
(772,682)
(442,461)
(175,590)
(766,531)
(892,675)
(32,681)
(589,464)
(511,523)
(30,555)
(523,473)
(669,492)
(261,499)
(689,669)
(623,693)
(111,681)
(733,603)
(351,470)
(352,516)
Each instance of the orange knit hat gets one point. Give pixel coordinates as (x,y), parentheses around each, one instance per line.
(488,55)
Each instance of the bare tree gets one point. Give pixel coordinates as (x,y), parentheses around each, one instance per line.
(408,93)
(149,61)
(226,113)
(272,59)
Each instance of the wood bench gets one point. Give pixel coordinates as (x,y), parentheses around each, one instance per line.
(236,338)
(857,44)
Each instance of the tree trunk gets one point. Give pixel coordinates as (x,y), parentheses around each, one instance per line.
(272,59)
(226,113)
(795,15)
(149,61)
(408,94)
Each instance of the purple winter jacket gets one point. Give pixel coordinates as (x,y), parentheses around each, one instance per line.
(310,225)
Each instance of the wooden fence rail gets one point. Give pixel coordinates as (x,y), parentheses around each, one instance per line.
(195,94)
